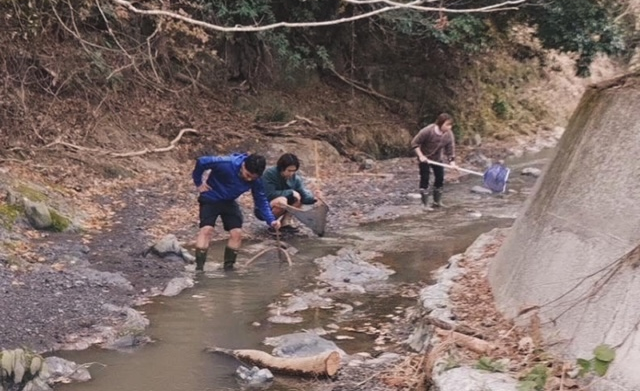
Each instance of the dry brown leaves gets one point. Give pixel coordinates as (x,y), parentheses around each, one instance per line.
(473,305)
(406,375)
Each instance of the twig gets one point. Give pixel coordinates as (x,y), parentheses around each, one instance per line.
(452,327)
(368,379)
(171,146)
(363,89)
(308,121)
(258,255)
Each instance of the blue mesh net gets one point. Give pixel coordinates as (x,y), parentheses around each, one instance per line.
(496,177)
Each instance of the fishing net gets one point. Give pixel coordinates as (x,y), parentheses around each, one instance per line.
(496,177)
(313,216)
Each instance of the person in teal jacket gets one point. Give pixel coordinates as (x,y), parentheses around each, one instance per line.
(283,185)
(228,177)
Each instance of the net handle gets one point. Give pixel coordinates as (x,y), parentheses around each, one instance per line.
(455,168)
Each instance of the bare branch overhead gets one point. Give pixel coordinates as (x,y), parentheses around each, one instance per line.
(390,6)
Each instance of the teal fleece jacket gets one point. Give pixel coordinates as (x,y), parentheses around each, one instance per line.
(276,186)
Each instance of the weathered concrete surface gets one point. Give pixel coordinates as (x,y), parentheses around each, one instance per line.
(583,216)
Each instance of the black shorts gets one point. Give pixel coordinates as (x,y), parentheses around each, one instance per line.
(229,212)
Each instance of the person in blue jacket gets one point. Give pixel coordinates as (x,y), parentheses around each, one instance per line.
(228,178)
(283,185)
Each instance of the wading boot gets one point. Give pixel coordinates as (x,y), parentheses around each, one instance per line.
(201,258)
(437,199)
(424,197)
(230,256)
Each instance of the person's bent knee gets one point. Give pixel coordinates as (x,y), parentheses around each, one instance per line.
(277,206)
(207,231)
(235,234)
(278,202)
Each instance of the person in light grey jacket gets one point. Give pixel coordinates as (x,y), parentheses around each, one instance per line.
(283,185)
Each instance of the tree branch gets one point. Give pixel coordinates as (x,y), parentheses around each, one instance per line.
(171,146)
(502,6)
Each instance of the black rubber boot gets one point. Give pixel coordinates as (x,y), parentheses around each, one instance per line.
(424,196)
(201,258)
(230,256)
(437,198)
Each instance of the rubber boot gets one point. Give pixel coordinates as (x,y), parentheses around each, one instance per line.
(424,196)
(437,198)
(201,258)
(230,256)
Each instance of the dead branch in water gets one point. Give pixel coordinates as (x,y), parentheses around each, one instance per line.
(278,248)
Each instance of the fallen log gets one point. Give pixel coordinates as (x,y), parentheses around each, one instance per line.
(474,344)
(324,364)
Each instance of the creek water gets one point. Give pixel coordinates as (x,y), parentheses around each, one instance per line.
(230,309)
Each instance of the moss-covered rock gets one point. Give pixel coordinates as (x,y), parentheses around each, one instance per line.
(31,193)
(9,214)
(59,223)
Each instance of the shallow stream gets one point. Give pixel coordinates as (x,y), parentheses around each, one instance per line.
(231,310)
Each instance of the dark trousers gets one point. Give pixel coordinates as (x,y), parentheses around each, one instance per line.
(438,173)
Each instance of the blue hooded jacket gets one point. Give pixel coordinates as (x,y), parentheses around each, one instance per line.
(226,183)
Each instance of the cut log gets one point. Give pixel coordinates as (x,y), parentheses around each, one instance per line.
(466,341)
(324,364)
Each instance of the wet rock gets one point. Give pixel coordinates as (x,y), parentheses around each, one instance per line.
(414,196)
(283,319)
(481,190)
(293,305)
(474,214)
(300,302)
(435,300)
(531,171)
(128,341)
(349,264)
(177,285)
(61,370)
(478,159)
(468,379)
(130,333)
(301,345)
(168,245)
(254,376)
(38,214)
(37,384)
(367,164)
(383,359)
(100,278)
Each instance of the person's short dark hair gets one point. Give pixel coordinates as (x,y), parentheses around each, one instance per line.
(255,164)
(286,160)
(442,118)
